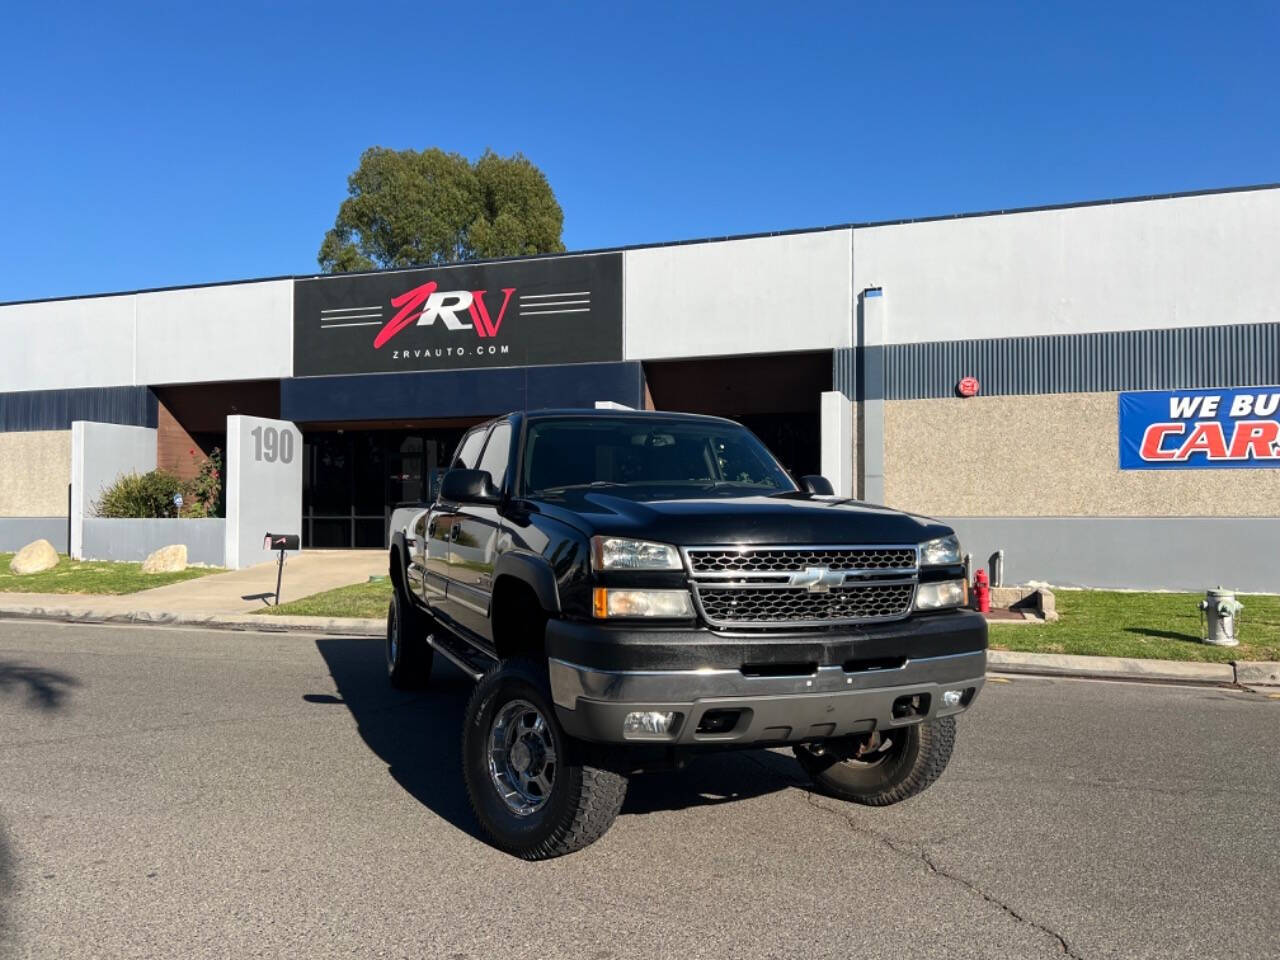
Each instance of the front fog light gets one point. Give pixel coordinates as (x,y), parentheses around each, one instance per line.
(941,594)
(651,723)
(607,602)
(951,698)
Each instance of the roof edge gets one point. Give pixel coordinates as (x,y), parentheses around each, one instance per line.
(856,225)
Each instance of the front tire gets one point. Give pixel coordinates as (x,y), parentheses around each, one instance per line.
(882,768)
(408,655)
(531,786)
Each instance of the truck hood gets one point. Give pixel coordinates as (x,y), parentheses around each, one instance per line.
(789,519)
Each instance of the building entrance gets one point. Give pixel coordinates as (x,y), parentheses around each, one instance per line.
(353,479)
(778,397)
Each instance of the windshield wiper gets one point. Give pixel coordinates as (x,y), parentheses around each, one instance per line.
(593,485)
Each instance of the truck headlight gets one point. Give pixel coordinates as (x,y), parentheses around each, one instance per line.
(941,551)
(618,553)
(941,594)
(606,602)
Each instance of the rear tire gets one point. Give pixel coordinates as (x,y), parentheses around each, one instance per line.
(534,789)
(408,655)
(914,758)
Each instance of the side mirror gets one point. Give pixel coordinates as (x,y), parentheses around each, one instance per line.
(817,485)
(469,486)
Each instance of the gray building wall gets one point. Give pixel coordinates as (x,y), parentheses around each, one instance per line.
(17,532)
(1153,553)
(133,540)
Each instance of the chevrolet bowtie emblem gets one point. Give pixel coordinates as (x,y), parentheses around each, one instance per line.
(817,579)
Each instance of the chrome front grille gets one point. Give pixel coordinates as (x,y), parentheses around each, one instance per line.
(808,586)
(734,561)
(772,605)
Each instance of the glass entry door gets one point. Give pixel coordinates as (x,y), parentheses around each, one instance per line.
(353,479)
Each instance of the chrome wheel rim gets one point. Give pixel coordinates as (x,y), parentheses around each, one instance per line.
(522,757)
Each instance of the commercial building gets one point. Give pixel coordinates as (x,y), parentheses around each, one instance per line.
(1102,342)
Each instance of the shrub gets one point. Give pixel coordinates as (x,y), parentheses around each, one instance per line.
(140,495)
(203,493)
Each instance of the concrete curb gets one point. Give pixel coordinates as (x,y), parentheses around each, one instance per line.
(1244,673)
(1261,673)
(1111,668)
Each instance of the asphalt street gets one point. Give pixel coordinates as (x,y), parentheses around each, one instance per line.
(178,793)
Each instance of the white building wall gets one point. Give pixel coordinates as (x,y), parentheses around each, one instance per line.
(241,331)
(67,343)
(1183,262)
(763,295)
(263,486)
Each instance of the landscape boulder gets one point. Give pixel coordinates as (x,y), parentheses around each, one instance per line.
(170,559)
(34,558)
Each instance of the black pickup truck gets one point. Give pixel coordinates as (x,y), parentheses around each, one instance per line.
(629,589)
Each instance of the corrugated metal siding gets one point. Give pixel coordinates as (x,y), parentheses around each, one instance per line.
(844,371)
(56,409)
(1227,356)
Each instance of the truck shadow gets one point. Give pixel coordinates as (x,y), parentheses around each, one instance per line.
(710,780)
(418,736)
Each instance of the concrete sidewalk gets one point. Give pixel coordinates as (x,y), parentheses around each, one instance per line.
(305,573)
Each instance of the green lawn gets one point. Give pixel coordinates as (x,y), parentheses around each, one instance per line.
(91,576)
(357,600)
(1156,626)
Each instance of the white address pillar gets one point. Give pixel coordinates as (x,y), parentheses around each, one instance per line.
(263,486)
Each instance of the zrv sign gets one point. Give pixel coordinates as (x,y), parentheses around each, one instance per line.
(1197,429)
(506,314)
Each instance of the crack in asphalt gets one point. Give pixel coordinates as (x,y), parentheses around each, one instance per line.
(916,854)
(921,855)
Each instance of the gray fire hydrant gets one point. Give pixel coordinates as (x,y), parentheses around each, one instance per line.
(1219,612)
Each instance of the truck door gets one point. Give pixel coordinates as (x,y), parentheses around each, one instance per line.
(439,528)
(476,529)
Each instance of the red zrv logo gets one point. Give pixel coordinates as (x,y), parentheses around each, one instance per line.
(425,305)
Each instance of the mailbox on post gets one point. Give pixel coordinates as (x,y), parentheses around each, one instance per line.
(282,542)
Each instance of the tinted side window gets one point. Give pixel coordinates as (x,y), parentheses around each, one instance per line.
(496,452)
(469,451)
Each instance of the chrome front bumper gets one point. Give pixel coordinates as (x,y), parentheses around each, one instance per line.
(830,702)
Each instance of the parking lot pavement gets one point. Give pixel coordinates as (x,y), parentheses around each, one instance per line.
(173,793)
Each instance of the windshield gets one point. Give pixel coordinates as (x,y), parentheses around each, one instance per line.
(648,458)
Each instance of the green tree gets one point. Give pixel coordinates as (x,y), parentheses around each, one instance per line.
(409,208)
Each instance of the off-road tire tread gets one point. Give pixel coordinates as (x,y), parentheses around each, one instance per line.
(937,740)
(601,792)
(601,798)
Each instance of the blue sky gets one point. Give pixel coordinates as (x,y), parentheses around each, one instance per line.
(183,143)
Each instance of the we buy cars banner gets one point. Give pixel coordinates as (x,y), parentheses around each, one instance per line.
(1200,429)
